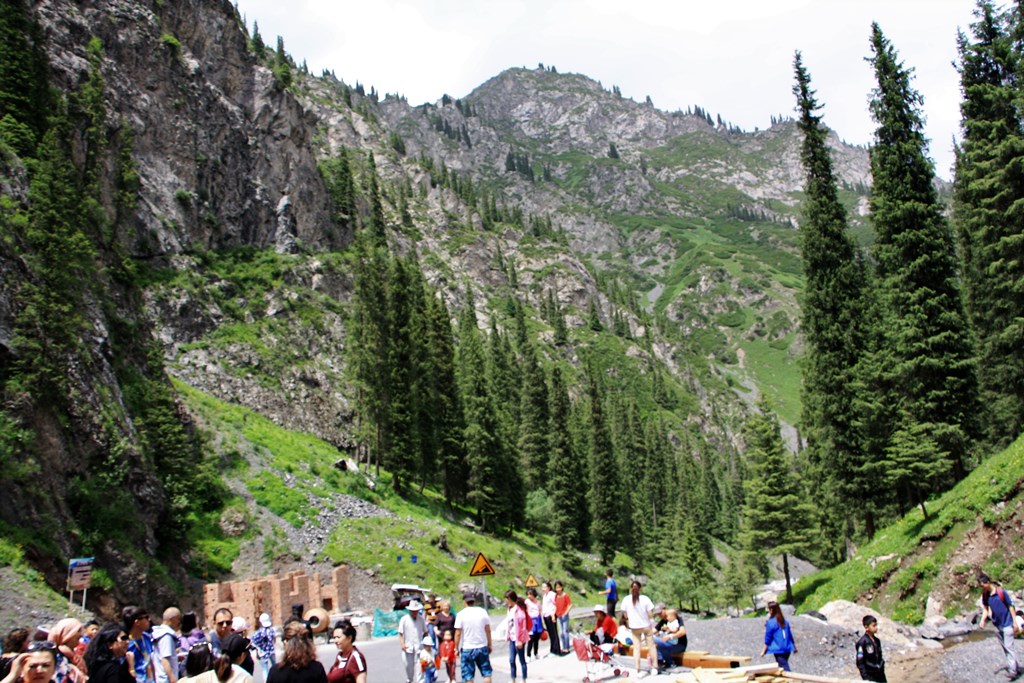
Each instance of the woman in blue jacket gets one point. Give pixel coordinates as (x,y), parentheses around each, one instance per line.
(778,637)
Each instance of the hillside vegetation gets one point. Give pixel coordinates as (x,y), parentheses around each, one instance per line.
(922,566)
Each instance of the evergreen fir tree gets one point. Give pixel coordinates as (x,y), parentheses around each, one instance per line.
(444,402)
(927,335)
(605,495)
(24,94)
(777,515)
(259,48)
(534,448)
(567,471)
(988,196)
(484,450)
(376,225)
(832,322)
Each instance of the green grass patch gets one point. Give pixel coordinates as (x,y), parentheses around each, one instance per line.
(899,565)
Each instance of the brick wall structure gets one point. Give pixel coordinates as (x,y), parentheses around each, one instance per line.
(275,595)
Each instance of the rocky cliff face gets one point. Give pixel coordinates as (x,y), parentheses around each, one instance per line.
(225,156)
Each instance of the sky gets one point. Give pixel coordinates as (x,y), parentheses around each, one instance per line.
(731,57)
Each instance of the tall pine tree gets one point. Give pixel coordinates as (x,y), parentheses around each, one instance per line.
(989,211)
(777,514)
(832,323)
(567,470)
(926,332)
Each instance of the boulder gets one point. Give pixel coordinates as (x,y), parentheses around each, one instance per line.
(850,615)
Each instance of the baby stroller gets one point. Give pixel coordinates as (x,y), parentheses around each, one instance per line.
(596,660)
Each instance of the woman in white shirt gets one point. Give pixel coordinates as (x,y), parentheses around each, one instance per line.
(547,610)
(639,612)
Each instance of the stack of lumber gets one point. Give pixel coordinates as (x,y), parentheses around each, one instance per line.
(698,659)
(762,673)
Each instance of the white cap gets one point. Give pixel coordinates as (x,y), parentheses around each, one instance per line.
(265,621)
(414,606)
(427,640)
(239,624)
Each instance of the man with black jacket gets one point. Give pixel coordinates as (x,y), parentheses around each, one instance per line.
(869,653)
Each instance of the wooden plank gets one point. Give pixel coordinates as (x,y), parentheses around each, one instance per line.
(797,676)
(717,662)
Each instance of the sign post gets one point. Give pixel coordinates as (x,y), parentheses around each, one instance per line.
(79,578)
(482,567)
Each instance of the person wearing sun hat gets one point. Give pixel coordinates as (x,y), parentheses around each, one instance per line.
(605,627)
(411,629)
(428,660)
(263,639)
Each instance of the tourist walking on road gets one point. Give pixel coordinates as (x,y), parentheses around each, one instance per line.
(105,656)
(563,603)
(778,637)
(517,632)
(639,612)
(473,640)
(36,665)
(447,654)
(870,662)
(298,663)
(263,640)
(998,607)
(70,665)
(411,629)
(611,593)
(140,644)
(350,664)
(536,624)
(444,620)
(223,620)
(165,646)
(547,611)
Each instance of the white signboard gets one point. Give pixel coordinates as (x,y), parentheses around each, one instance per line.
(79,573)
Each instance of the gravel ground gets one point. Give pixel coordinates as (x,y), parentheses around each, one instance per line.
(822,649)
(978,658)
(828,650)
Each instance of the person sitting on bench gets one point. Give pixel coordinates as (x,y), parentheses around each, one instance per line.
(605,629)
(670,640)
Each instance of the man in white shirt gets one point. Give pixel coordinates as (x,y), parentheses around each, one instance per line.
(411,629)
(639,612)
(473,639)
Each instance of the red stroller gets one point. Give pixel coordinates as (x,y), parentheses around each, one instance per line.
(597,661)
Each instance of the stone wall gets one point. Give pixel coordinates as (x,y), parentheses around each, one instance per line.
(276,594)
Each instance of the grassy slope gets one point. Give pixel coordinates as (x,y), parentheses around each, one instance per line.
(896,571)
(262,455)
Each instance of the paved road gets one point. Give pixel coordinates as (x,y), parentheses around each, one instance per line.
(384,662)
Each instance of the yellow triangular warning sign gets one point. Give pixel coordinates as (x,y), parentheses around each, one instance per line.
(481,566)
(531,582)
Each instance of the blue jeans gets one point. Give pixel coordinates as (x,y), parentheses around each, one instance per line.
(666,650)
(782,659)
(516,650)
(476,658)
(563,631)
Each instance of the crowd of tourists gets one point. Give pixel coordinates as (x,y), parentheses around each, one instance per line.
(177,650)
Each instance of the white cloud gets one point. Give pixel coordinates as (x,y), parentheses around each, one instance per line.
(733,57)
